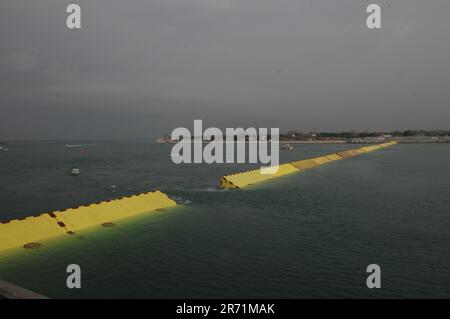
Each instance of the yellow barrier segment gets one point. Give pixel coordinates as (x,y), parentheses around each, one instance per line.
(348,153)
(252,177)
(244,179)
(285,169)
(104,212)
(16,233)
(304,164)
(370,148)
(334,157)
(28,230)
(321,160)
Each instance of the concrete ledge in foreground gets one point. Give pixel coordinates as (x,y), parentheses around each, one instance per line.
(10,291)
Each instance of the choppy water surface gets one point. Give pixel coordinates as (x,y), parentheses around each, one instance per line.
(306,235)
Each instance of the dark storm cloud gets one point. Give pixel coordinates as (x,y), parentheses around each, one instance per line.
(139,68)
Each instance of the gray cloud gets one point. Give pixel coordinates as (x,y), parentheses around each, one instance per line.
(140,68)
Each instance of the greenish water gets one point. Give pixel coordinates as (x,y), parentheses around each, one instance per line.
(306,235)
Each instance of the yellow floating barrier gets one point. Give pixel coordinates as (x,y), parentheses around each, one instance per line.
(22,232)
(321,160)
(304,164)
(334,157)
(370,148)
(255,176)
(244,179)
(348,153)
(31,229)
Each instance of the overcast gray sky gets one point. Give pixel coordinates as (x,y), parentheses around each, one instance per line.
(139,68)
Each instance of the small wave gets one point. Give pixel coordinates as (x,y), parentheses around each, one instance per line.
(198,189)
(180,200)
(78,145)
(212,189)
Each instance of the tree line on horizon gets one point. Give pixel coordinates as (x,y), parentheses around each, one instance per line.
(354,134)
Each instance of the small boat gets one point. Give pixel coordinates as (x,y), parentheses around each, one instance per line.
(4,149)
(287,147)
(74,171)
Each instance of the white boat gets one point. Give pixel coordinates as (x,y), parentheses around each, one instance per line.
(75,171)
(287,147)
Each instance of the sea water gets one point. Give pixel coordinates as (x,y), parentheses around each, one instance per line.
(310,234)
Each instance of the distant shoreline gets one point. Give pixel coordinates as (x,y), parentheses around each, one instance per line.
(322,142)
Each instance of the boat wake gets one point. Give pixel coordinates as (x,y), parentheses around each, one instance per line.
(180,200)
(78,145)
